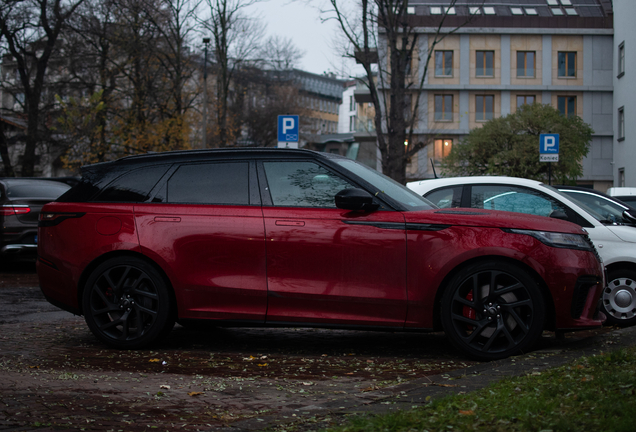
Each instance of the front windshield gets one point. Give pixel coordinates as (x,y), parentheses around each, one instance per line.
(602,209)
(387,186)
(609,211)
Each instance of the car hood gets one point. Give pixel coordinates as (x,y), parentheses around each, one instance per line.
(624,232)
(492,219)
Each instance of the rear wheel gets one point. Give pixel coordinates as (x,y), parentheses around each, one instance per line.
(619,298)
(492,310)
(126,303)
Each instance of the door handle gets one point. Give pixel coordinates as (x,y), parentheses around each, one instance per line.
(290,223)
(167,219)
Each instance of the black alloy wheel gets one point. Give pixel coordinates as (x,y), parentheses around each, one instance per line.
(126,303)
(619,298)
(493,310)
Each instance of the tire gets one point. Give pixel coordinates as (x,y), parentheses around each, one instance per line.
(126,303)
(619,298)
(505,318)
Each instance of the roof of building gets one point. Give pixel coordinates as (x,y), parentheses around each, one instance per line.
(515,13)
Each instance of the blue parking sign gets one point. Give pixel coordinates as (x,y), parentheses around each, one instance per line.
(549,144)
(288,128)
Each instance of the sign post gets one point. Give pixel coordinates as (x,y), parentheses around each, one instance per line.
(288,131)
(549,151)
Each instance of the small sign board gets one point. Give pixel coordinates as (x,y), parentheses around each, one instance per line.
(288,130)
(549,158)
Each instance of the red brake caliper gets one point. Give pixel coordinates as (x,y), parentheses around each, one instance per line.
(469,312)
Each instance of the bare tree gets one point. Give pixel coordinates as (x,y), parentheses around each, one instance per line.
(30,29)
(382,39)
(236,39)
(280,53)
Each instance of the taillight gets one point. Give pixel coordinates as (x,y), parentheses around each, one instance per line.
(8,210)
(50,219)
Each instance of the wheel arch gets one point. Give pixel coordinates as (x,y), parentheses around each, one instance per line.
(621,265)
(88,270)
(545,292)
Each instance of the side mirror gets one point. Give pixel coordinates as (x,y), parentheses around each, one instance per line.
(629,215)
(558,214)
(355,199)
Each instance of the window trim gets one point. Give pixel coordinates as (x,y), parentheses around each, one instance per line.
(566,64)
(621,59)
(443,52)
(524,96)
(567,114)
(525,62)
(621,124)
(485,66)
(485,114)
(443,112)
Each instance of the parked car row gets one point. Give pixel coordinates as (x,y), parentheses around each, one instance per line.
(282,237)
(610,223)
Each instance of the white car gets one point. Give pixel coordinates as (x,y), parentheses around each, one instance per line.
(625,194)
(612,232)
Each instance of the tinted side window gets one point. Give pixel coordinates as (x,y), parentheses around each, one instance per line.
(450,197)
(210,183)
(303,184)
(513,199)
(134,186)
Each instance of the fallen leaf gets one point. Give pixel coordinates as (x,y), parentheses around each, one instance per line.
(164,386)
(308,383)
(34,367)
(195,393)
(154,360)
(444,385)
(368,389)
(467,412)
(262,365)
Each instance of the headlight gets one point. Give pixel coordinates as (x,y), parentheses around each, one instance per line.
(558,240)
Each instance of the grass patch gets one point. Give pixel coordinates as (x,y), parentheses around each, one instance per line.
(595,393)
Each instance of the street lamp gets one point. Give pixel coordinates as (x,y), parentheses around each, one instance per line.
(206,41)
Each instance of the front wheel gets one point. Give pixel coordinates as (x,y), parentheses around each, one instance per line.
(126,303)
(493,309)
(619,298)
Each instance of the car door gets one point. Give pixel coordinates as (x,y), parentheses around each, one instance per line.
(324,264)
(205,227)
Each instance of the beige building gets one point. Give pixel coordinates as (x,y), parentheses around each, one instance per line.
(556,52)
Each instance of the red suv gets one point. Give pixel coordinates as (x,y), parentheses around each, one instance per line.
(297,238)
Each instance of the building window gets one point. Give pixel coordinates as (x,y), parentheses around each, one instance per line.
(352,104)
(525,64)
(484,107)
(525,100)
(567,105)
(442,148)
(621,124)
(352,123)
(443,107)
(621,59)
(621,177)
(485,64)
(444,63)
(567,64)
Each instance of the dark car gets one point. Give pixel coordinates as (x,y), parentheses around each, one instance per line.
(278,237)
(20,202)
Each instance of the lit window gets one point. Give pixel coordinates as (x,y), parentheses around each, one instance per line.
(516,11)
(567,105)
(474,10)
(531,11)
(436,10)
(567,64)
(443,107)
(442,148)
(621,123)
(621,59)
(571,11)
(484,107)
(485,61)
(557,11)
(489,10)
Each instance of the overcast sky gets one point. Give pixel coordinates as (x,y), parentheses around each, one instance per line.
(300,20)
